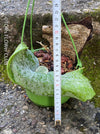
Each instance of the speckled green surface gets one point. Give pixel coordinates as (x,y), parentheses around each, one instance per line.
(21,69)
(91,61)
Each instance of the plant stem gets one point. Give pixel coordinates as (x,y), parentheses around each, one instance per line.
(31,26)
(79,64)
(25,21)
(38,49)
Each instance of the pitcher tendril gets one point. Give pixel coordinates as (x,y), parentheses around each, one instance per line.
(79,64)
(31,26)
(25,21)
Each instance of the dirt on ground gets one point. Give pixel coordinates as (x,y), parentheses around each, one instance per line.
(18,115)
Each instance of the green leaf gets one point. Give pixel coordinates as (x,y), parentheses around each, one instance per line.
(42,69)
(22,67)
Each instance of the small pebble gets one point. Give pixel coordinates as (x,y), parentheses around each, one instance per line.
(94,63)
(14,86)
(85,129)
(7,131)
(22,112)
(67,128)
(44,126)
(34,122)
(25,108)
(14,130)
(7,85)
(42,131)
(23,119)
(22,92)
(48,108)
(42,123)
(75,107)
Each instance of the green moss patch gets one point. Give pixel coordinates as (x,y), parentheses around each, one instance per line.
(3,74)
(91,61)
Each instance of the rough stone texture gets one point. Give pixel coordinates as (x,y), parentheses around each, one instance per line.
(12,15)
(14,7)
(11,29)
(18,115)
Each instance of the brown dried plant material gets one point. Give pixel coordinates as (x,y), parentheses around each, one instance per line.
(79,32)
(46,59)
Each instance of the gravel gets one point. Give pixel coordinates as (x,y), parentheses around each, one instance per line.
(19,115)
(18,7)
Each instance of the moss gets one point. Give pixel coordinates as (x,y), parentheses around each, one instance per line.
(3,110)
(94,14)
(36,29)
(9,107)
(47,19)
(91,61)
(1,46)
(3,74)
(71,17)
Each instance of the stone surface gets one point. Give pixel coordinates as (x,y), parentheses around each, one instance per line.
(7,131)
(77,117)
(18,7)
(12,15)
(25,108)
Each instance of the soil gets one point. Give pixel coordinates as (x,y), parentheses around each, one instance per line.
(46,59)
(18,115)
